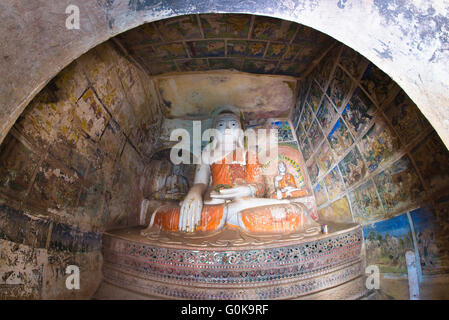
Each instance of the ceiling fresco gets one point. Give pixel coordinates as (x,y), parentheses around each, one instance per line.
(242,42)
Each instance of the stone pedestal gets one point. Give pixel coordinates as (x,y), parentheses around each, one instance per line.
(234,265)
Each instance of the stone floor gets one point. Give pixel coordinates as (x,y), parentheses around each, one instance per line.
(392,287)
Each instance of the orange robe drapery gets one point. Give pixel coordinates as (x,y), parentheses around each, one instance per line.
(289,181)
(273,218)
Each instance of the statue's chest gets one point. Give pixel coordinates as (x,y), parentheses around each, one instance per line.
(228,175)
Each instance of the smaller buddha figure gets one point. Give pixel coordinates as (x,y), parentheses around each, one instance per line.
(176,183)
(285,185)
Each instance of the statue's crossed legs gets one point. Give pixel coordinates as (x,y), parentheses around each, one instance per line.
(257,215)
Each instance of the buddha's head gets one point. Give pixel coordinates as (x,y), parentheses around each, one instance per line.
(229,129)
(282,167)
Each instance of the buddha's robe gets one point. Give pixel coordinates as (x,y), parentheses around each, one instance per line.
(270,218)
(289,181)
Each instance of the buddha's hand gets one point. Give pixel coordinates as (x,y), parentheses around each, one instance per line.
(191,207)
(233,193)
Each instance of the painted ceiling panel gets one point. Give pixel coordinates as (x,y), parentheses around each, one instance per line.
(197,95)
(242,42)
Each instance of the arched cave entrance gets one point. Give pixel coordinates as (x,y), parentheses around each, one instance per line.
(80,159)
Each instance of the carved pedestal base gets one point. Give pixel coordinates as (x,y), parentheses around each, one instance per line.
(234,265)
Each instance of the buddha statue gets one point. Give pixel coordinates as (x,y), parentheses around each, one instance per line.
(229,190)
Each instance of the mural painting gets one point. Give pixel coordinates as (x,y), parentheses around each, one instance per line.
(275,50)
(325,157)
(337,211)
(406,118)
(352,167)
(431,240)
(293,183)
(365,203)
(315,95)
(304,145)
(326,67)
(243,48)
(293,69)
(315,134)
(171,51)
(303,90)
(386,243)
(193,65)
(17,166)
(225,26)
(359,112)
(379,86)
(300,132)
(179,28)
(273,29)
(284,130)
(208,48)
(320,193)
(314,171)
(307,33)
(161,67)
(339,138)
(291,52)
(269,44)
(434,168)
(378,144)
(225,63)
(295,115)
(339,88)
(307,117)
(334,183)
(353,62)
(144,35)
(259,66)
(326,114)
(398,185)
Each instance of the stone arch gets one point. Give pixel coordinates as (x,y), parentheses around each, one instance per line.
(408,41)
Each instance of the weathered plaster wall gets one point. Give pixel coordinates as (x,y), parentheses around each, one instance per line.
(407,39)
(71,167)
(197,95)
(373,158)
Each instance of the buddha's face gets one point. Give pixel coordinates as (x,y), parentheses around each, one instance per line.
(229,128)
(227,121)
(282,168)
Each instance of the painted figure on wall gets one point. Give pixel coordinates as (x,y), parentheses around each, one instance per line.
(285,184)
(177,183)
(229,189)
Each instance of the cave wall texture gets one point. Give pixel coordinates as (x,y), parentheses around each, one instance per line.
(71,167)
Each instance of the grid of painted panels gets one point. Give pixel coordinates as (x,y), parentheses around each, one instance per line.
(365,142)
(242,42)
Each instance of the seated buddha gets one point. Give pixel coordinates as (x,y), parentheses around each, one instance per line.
(229,189)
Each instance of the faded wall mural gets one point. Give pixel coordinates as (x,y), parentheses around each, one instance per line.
(372,157)
(71,167)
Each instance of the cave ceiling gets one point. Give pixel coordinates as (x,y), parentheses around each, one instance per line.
(241,42)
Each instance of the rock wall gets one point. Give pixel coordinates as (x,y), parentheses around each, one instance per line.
(71,167)
(373,158)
